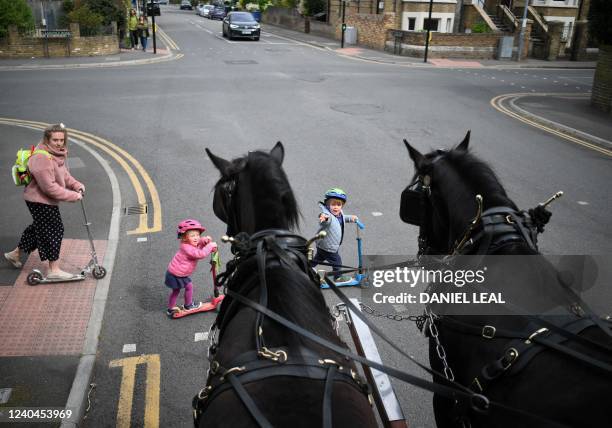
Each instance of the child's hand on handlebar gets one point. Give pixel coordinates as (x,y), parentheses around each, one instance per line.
(214,247)
(354,218)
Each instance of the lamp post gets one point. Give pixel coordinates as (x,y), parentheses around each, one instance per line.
(428,31)
(521,42)
(343,23)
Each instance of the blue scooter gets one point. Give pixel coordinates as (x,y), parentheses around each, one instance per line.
(359,278)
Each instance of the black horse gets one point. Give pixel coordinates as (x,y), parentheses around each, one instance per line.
(545,370)
(262,374)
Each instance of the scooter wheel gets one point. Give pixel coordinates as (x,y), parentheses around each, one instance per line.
(34,278)
(98,272)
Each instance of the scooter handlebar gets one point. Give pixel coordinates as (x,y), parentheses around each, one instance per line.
(360,225)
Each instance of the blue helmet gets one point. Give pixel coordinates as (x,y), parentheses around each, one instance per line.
(336,193)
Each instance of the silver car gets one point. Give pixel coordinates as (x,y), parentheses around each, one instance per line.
(204,9)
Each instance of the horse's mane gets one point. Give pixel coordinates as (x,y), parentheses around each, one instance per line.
(270,190)
(479,177)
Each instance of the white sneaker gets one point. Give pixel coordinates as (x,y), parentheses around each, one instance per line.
(60,275)
(13,260)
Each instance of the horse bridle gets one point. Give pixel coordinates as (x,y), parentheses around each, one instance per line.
(499,225)
(262,363)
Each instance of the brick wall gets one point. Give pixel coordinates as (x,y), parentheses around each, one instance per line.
(371,28)
(470,17)
(424,7)
(445,45)
(555,11)
(18,46)
(601,97)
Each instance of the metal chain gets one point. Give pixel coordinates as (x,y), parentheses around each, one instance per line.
(418,319)
(433,331)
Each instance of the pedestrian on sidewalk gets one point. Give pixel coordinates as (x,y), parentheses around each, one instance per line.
(133,28)
(332,220)
(193,248)
(143,31)
(51,183)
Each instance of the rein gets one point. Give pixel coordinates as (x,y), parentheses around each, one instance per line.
(279,358)
(263,363)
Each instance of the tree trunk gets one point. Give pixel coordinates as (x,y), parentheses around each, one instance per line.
(601,97)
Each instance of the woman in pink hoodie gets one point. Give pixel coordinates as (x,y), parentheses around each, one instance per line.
(193,248)
(51,183)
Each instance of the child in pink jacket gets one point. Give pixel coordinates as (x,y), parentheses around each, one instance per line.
(193,248)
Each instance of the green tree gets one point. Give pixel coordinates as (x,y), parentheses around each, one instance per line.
(15,12)
(89,21)
(312,7)
(108,9)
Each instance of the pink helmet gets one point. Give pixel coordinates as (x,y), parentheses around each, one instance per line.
(188,224)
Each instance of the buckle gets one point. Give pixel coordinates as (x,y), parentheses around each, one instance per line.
(509,358)
(488,332)
(535,333)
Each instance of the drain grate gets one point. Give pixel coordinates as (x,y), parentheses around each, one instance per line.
(137,209)
(240,61)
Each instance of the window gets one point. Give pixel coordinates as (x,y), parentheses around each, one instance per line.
(431,24)
(411,24)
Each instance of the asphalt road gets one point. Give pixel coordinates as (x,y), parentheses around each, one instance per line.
(342,123)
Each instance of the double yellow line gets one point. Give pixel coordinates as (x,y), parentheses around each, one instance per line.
(167,39)
(124,159)
(499,104)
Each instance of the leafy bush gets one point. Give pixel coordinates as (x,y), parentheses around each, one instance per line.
(600,21)
(312,7)
(108,10)
(88,20)
(67,7)
(15,12)
(480,27)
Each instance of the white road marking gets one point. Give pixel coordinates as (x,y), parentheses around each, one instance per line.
(583,203)
(5,395)
(129,347)
(377,214)
(141,239)
(200,337)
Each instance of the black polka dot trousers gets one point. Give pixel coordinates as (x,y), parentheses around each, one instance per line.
(46,233)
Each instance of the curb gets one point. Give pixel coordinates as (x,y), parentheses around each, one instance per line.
(79,391)
(168,57)
(428,65)
(603,143)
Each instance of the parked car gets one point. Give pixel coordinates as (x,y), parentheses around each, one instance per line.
(241,24)
(186,4)
(217,13)
(205,9)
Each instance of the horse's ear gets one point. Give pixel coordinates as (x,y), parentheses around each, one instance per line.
(221,164)
(278,152)
(415,155)
(463,146)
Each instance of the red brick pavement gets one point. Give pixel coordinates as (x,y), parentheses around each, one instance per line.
(48,319)
(441,62)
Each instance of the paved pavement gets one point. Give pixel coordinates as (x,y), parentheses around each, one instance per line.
(43,328)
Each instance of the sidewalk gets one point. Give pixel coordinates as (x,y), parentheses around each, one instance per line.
(372,55)
(125,57)
(569,114)
(44,329)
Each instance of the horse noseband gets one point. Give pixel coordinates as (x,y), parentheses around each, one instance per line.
(413,203)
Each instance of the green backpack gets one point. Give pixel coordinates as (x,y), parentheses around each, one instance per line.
(21,175)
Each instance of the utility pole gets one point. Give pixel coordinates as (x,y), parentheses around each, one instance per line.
(521,42)
(343,23)
(428,30)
